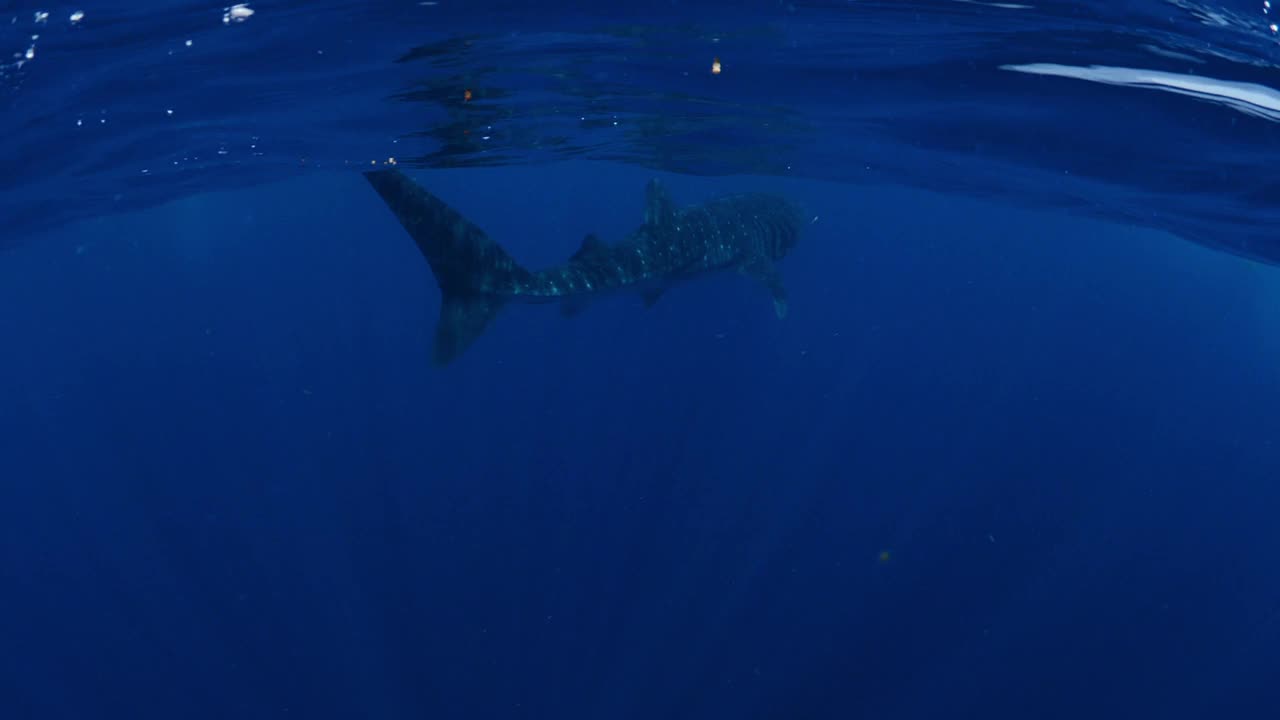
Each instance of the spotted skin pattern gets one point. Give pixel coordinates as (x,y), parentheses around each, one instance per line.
(748,233)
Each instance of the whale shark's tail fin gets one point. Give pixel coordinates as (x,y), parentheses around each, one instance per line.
(469,267)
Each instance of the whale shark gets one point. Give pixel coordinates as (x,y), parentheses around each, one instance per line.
(748,233)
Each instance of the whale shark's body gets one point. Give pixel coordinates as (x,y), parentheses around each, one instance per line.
(748,233)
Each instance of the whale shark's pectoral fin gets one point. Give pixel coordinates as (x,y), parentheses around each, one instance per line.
(651,296)
(766,271)
(573,305)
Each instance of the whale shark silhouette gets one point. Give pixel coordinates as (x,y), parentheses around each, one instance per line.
(748,233)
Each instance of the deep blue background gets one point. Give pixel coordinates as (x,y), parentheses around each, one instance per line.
(233,487)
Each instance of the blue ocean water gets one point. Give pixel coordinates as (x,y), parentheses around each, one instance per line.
(1012,453)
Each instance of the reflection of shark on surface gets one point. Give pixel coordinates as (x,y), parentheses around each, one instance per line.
(748,233)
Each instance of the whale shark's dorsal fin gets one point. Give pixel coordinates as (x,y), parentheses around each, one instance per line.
(591,246)
(658,209)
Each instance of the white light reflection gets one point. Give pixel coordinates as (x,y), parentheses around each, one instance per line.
(237,13)
(1249,98)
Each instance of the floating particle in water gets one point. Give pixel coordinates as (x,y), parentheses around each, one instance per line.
(77,16)
(42,17)
(237,13)
(715,66)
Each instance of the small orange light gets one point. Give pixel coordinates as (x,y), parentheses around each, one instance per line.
(466,96)
(715,66)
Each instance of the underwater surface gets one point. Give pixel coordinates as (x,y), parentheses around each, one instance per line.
(1013,451)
